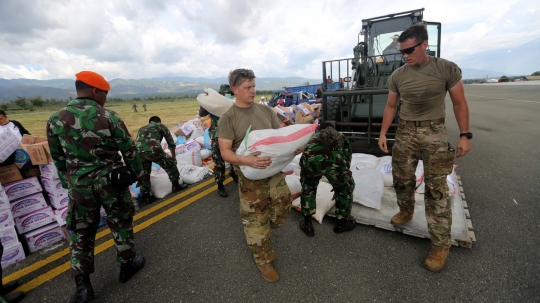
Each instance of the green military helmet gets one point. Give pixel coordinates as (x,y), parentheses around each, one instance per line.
(225,89)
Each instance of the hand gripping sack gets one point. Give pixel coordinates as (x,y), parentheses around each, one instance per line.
(214,103)
(278,144)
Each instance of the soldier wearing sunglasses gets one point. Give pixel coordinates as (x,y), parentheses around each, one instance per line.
(421,84)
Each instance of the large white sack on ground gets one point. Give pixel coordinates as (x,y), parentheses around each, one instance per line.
(192,174)
(205,153)
(214,103)
(369,187)
(294,184)
(324,200)
(160,185)
(200,140)
(369,161)
(189,158)
(296,159)
(278,144)
(386,169)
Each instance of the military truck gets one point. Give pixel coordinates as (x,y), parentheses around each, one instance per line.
(357,110)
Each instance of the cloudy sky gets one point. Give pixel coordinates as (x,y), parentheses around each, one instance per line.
(133,39)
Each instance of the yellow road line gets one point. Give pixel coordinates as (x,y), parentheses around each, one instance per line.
(518,100)
(109,243)
(35,266)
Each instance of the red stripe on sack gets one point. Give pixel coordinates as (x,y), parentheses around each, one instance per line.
(286,139)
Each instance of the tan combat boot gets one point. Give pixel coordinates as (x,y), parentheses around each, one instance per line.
(435,259)
(401,218)
(268,272)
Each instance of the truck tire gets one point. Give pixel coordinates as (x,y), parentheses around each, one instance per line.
(333,108)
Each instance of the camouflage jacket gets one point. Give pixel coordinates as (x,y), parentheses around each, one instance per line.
(149,137)
(213,122)
(85,138)
(326,142)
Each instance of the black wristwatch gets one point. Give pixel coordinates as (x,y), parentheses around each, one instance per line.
(468,135)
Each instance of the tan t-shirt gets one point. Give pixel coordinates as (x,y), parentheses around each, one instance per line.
(236,121)
(423,89)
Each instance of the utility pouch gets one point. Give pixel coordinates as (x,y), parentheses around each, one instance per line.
(122,177)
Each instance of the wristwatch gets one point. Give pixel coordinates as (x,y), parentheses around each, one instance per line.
(468,135)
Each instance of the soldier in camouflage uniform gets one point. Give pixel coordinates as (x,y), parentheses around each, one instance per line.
(149,146)
(327,154)
(422,85)
(219,163)
(85,140)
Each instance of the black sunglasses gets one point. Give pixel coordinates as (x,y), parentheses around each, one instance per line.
(409,50)
(243,73)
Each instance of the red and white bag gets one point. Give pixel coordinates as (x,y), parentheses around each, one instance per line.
(278,144)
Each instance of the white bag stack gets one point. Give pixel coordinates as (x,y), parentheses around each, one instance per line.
(214,103)
(369,187)
(160,185)
(278,144)
(193,174)
(190,158)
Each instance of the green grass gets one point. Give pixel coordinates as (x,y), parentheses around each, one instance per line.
(170,112)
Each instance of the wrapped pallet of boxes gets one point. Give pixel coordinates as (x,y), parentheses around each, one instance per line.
(58,196)
(8,144)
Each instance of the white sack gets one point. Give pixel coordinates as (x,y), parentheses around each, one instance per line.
(278,144)
(193,174)
(294,184)
(296,159)
(214,103)
(385,167)
(369,187)
(160,185)
(290,168)
(324,201)
(198,132)
(190,158)
(200,140)
(190,146)
(164,144)
(369,161)
(205,153)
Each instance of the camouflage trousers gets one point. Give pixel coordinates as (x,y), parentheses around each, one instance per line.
(83,220)
(219,163)
(264,205)
(162,159)
(332,165)
(430,143)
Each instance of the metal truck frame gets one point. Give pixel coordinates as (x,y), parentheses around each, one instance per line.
(357,110)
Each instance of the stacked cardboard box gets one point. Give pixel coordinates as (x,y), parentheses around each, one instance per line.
(304,113)
(13,251)
(8,144)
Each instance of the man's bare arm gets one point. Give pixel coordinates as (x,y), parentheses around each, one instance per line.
(388,117)
(461,111)
(225,147)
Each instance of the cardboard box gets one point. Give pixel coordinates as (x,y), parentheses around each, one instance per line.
(8,144)
(60,215)
(9,174)
(34,219)
(37,153)
(4,200)
(49,171)
(8,236)
(28,204)
(12,255)
(29,139)
(43,237)
(22,188)
(6,218)
(59,201)
(54,187)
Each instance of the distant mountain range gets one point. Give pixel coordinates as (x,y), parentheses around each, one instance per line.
(165,86)
(131,88)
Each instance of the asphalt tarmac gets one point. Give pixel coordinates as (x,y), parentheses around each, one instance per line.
(196,252)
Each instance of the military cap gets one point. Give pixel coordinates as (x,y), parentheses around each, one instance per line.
(93,79)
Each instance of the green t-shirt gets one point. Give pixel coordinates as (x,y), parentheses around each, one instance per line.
(423,89)
(236,121)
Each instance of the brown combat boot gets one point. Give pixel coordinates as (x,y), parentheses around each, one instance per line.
(435,259)
(401,218)
(268,272)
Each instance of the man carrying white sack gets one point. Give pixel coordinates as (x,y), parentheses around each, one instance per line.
(266,203)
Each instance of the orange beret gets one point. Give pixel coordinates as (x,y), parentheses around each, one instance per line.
(93,79)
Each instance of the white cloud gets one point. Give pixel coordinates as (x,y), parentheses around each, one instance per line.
(208,38)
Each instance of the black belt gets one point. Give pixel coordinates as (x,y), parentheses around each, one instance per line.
(424,123)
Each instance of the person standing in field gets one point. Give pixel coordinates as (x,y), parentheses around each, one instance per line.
(422,85)
(134,107)
(86,140)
